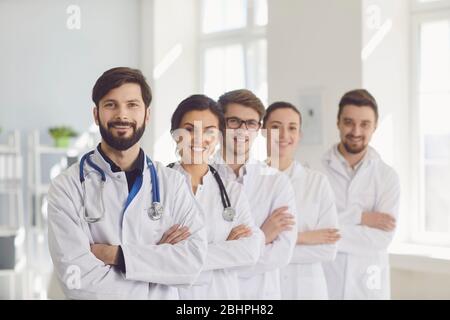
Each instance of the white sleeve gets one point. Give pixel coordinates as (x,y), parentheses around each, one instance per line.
(327,220)
(171,264)
(278,253)
(80,273)
(241,252)
(351,216)
(360,239)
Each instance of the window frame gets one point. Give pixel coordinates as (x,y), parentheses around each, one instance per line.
(244,36)
(421,13)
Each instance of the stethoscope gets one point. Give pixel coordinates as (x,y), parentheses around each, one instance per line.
(228,212)
(156,209)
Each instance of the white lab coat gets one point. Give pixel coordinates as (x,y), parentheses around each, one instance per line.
(219,277)
(361,267)
(304,277)
(266,189)
(151,269)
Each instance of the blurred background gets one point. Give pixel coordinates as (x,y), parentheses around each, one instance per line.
(307,52)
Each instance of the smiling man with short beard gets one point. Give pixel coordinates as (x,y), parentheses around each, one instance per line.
(367,194)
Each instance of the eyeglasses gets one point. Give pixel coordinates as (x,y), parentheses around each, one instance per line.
(236,123)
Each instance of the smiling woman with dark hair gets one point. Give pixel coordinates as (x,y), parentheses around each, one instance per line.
(233,239)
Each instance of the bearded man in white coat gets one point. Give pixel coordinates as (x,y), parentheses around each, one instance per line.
(105,240)
(367,194)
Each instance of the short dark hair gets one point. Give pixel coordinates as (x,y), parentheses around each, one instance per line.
(244,97)
(197,102)
(114,78)
(359,98)
(280,105)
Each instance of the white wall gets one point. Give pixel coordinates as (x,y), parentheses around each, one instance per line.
(386,75)
(175,60)
(314,44)
(147,21)
(48,71)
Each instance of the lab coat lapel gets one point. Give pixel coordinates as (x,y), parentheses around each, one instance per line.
(207,197)
(104,165)
(331,161)
(361,179)
(136,215)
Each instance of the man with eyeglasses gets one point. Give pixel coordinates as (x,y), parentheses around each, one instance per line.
(269,192)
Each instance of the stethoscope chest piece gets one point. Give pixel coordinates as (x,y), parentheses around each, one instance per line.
(229,214)
(155,211)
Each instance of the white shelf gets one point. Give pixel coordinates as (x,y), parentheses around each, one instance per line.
(12,178)
(12,147)
(37,188)
(40,189)
(43,149)
(9,189)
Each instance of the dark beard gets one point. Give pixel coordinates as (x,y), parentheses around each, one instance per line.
(120,143)
(351,150)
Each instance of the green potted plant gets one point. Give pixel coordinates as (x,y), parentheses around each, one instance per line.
(62,135)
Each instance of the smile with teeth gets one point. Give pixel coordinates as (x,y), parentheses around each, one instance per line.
(198,149)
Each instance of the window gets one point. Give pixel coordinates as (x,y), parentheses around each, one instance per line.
(233,46)
(221,15)
(224,69)
(431,67)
